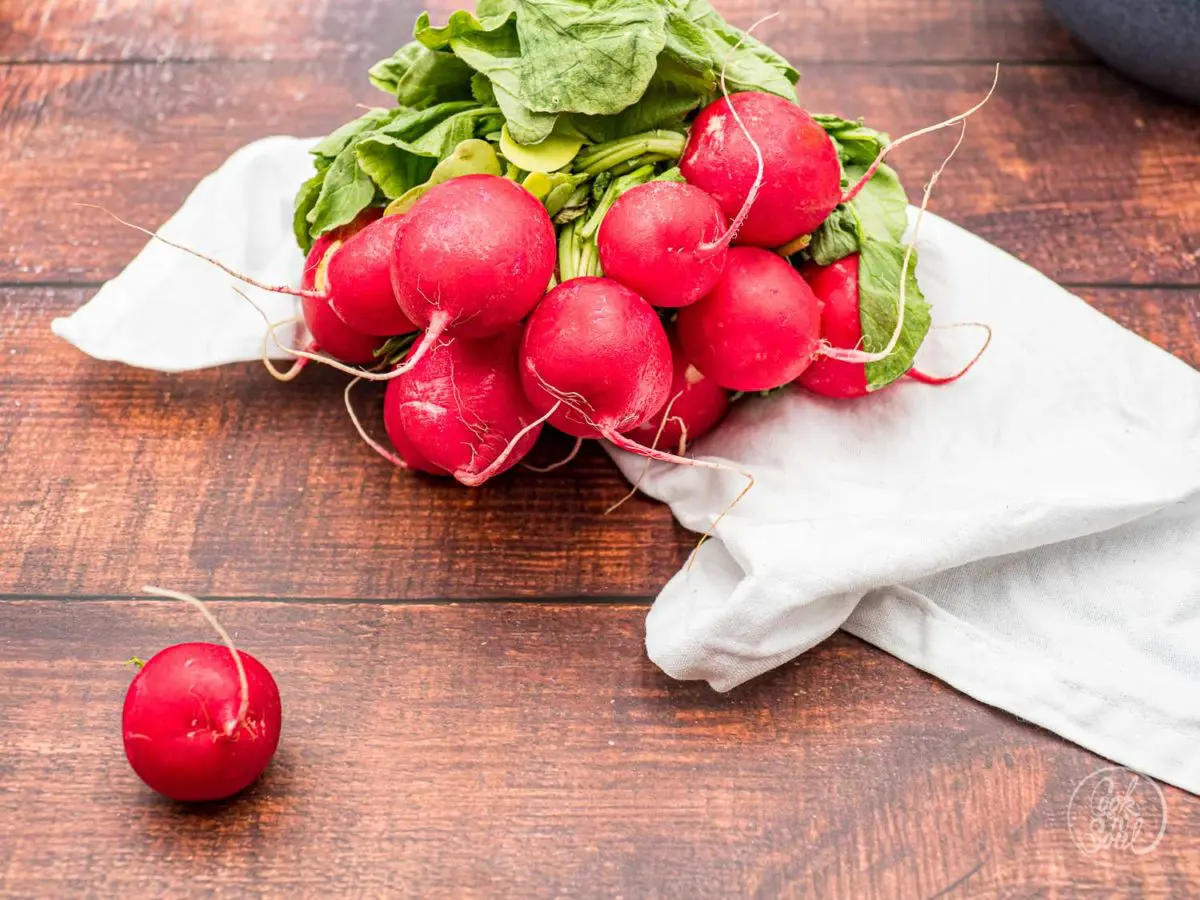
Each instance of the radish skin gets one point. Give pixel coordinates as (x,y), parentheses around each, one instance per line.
(657,241)
(601,348)
(836,286)
(803,180)
(201,721)
(758,329)
(474,257)
(697,404)
(462,406)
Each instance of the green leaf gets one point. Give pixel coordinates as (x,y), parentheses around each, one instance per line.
(594,57)
(665,105)
(306,199)
(490,46)
(857,144)
(394,165)
(411,124)
(419,77)
(331,147)
(346,191)
(882,205)
(397,165)
(482,90)
(838,237)
(754,67)
(879,268)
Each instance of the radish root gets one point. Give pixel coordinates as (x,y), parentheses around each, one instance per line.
(478,478)
(273,288)
(646,462)
(860,356)
(436,326)
(297,367)
(393,458)
(243,682)
(570,457)
(708,248)
(923,378)
(900,141)
(623,442)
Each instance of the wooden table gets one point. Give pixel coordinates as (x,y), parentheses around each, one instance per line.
(469,710)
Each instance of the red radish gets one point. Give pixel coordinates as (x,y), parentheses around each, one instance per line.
(462,410)
(321,245)
(601,351)
(695,406)
(803,181)
(758,329)
(409,457)
(333,336)
(836,286)
(663,241)
(358,280)
(475,255)
(201,721)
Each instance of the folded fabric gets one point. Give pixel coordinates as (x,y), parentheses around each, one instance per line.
(1030,534)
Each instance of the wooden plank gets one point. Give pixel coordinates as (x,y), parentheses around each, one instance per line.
(1030,178)
(887,31)
(532,750)
(227,483)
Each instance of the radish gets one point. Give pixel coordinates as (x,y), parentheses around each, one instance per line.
(462,410)
(329,333)
(357,278)
(333,336)
(322,245)
(474,257)
(201,721)
(596,361)
(803,182)
(695,407)
(601,351)
(663,240)
(836,286)
(409,456)
(758,329)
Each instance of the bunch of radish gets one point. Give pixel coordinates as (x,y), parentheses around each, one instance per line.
(471,304)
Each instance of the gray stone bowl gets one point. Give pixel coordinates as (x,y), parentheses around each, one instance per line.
(1154,41)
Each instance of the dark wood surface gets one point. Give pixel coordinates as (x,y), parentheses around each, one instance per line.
(469,710)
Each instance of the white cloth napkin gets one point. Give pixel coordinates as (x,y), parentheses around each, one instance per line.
(1030,534)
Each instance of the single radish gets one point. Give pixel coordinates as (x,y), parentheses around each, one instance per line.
(357,276)
(330,335)
(803,176)
(462,410)
(758,329)
(695,406)
(322,245)
(836,286)
(201,721)
(663,240)
(473,258)
(601,350)
(409,456)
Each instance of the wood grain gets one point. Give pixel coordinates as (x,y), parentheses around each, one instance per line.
(532,751)
(498,748)
(1030,178)
(224,482)
(883,31)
